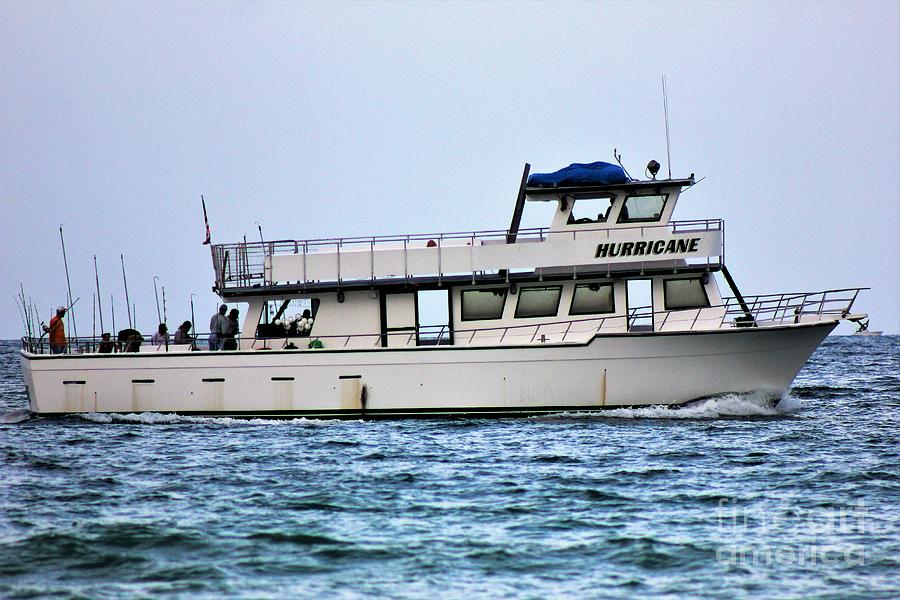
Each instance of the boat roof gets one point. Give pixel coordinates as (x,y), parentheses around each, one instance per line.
(585,189)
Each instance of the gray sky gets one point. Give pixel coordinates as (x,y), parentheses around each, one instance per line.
(340,119)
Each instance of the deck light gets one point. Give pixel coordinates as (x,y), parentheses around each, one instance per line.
(653,168)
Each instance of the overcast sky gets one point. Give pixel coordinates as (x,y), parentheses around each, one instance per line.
(341,119)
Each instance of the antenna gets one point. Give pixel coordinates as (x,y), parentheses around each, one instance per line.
(618,158)
(666,111)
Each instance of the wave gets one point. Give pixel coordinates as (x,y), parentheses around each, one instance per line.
(14,416)
(754,404)
(148,418)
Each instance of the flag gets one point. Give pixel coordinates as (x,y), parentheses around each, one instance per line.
(205,220)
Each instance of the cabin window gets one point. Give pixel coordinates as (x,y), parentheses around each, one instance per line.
(282,318)
(685,293)
(591,210)
(639,209)
(593,298)
(538,301)
(479,305)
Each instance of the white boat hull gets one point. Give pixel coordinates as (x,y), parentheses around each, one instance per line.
(610,371)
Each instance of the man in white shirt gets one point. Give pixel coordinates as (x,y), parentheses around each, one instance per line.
(217,325)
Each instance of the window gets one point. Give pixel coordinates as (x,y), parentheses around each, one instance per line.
(590,210)
(642,208)
(538,301)
(483,304)
(685,293)
(293,317)
(593,298)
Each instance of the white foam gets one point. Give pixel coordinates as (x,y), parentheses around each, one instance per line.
(15,416)
(148,418)
(726,405)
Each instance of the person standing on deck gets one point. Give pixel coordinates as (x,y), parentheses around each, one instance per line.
(57,331)
(161,337)
(231,331)
(183,334)
(217,326)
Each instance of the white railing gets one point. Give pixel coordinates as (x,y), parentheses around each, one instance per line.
(761,311)
(243,264)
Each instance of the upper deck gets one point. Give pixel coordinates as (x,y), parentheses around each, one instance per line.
(596,229)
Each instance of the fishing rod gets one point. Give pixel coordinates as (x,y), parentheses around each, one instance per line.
(99,303)
(22,315)
(62,242)
(156,294)
(127,301)
(193,324)
(47,329)
(165,318)
(112,308)
(29,322)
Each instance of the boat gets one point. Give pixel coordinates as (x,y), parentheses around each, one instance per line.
(613,304)
(863,328)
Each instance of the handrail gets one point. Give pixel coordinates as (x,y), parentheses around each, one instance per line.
(675,226)
(249,258)
(770,310)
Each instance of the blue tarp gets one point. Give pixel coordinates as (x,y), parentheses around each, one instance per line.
(596,173)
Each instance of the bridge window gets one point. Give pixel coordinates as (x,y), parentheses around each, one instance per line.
(538,301)
(484,304)
(593,298)
(638,209)
(685,293)
(591,209)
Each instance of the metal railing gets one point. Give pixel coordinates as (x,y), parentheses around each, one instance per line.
(768,310)
(243,264)
(97,345)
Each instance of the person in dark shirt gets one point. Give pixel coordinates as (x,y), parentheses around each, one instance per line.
(231,331)
(183,334)
(106,346)
(130,340)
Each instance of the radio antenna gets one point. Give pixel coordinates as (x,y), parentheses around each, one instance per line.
(666,111)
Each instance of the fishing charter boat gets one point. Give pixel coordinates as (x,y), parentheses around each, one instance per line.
(863,328)
(615,304)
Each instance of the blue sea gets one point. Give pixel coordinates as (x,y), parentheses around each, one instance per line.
(726,499)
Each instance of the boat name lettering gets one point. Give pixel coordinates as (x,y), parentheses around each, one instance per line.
(643,248)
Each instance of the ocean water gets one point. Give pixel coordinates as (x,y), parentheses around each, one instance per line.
(726,499)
